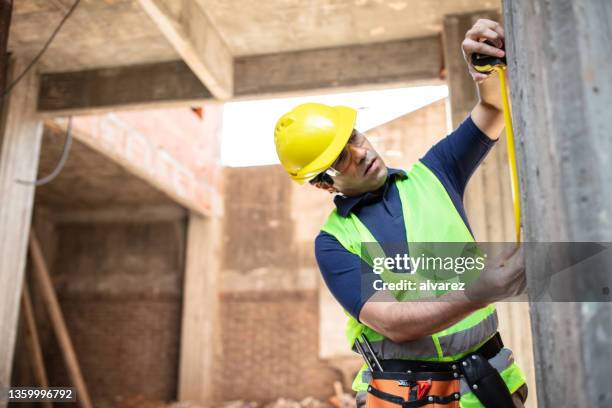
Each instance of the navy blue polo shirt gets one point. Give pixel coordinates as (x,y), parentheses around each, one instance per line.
(453,160)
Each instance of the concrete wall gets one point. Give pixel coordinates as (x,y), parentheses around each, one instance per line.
(559,55)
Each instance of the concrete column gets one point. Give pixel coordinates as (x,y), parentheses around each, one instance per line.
(200,332)
(488,198)
(559,55)
(19,149)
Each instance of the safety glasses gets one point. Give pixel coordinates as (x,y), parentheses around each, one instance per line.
(344,158)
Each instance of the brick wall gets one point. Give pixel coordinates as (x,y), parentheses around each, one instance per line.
(271,347)
(269,304)
(120,288)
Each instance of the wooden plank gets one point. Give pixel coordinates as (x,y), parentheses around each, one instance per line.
(33,342)
(400,62)
(19,150)
(137,86)
(6,11)
(56,316)
(200,331)
(196,40)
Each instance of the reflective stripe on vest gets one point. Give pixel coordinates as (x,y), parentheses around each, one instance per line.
(459,342)
(450,345)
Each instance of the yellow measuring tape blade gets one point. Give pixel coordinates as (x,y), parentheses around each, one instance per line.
(501,70)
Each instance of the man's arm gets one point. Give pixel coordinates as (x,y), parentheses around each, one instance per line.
(404,321)
(487,114)
(342,273)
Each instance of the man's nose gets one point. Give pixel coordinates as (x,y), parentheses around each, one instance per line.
(358,153)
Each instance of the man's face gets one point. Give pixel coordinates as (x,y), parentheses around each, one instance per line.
(361,168)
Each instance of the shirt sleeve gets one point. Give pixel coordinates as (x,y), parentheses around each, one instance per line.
(343,274)
(455,158)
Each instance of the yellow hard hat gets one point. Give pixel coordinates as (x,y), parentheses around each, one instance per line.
(310,138)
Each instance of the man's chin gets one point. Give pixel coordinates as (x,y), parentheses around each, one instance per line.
(380,177)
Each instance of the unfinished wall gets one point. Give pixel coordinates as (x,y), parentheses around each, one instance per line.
(559,55)
(120,290)
(406,139)
(269,304)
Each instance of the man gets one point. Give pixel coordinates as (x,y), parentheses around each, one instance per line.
(317,143)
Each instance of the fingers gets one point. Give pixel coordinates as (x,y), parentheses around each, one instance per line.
(484,33)
(472,46)
(483,25)
(508,253)
(478,77)
(517,260)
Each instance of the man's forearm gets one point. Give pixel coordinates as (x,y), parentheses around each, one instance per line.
(489,93)
(488,112)
(404,321)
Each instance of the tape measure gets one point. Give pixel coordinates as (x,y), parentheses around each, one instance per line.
(487,64)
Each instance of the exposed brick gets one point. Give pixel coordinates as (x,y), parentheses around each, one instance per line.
(270,347)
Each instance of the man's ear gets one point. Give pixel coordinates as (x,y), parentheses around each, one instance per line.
(326,186)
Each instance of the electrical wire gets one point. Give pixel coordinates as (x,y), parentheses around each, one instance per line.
(12,85)
(60,165)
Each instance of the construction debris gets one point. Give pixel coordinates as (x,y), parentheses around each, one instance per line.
(342,400)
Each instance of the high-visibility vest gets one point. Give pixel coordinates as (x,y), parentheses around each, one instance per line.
(429,216)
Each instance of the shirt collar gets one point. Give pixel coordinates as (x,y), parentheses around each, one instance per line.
(344,205)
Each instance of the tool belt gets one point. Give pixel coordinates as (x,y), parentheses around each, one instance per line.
(409,383)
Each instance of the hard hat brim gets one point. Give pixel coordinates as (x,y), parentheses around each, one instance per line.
(345,122)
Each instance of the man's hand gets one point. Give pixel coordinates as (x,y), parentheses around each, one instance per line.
(487,114)
(483,30)
(502,277)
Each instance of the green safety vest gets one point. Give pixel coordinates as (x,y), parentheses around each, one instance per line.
(429,216)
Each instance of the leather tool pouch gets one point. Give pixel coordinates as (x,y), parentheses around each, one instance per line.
(486,382)
(408,390)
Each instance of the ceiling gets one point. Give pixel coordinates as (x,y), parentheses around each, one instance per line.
(89,179)
(274,26)
(104,33)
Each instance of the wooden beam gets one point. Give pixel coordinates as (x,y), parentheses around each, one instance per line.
(33,342)
(400,62)
(19,150)
(41,273)
(165,83)
(196,40)
(200,331)
(6,11)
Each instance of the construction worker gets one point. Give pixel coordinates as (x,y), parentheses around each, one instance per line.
(444,342)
